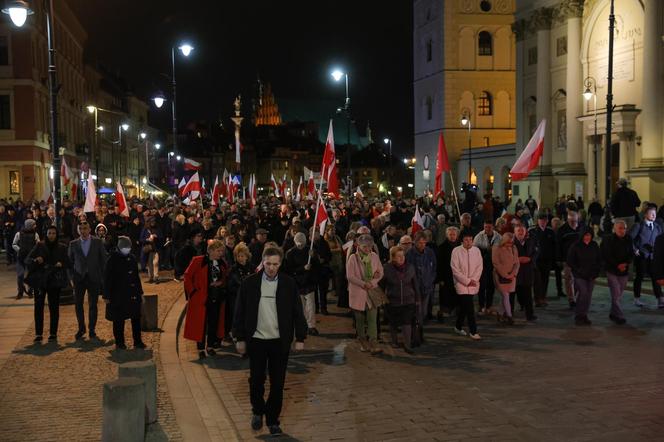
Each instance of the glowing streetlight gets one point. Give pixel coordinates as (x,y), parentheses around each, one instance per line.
(159,99)
(18,12)
(337,75)
(178,157)
(157,146)
(91,109)
(125,127)
(143,135)
(186,49)
(100,128)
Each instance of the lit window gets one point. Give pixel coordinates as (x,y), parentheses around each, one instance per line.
(484,106)
(485,43)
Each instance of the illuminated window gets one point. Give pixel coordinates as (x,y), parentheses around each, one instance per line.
(485,43)
(14,182)
(485,105)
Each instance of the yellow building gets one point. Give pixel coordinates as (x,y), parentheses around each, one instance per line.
(464,64)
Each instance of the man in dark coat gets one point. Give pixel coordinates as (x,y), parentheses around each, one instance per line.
(527,248)
(257,245)
(546,243)
(268,313)
(567,235)
(643,236)
(624,203)
(617,253)
(123,293)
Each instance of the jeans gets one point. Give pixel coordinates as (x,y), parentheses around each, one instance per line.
(366,323)
(642,267)
(584,293)
(93,289)
(466,310)
(487,289)
(309,308)
(422,310)
(118,330)
(267,355)
(617,286)
(53,295)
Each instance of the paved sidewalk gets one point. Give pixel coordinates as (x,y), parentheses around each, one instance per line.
(548,381)
(52,391)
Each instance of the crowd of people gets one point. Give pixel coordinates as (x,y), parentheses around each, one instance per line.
(259,276)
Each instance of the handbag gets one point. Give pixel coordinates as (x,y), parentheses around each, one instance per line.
(376,296)
(502,280)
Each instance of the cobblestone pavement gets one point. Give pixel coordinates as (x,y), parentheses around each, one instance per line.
(548,381)
(54,391)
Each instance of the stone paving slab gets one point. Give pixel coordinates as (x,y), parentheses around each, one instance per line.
(547,381)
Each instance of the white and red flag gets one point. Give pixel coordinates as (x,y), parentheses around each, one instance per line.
(193,187)
(321,217)
(91,196)
(311,185)
(121,201)
(190,164)
(283,186)
(223,187)
(274,185)
(329,167)
(216,191)
(252,191)
(298,191)
(417,223)
(530,157)
(65,172)
(442,165)
(203,191)
(183,183)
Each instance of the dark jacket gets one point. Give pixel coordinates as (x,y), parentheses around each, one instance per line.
(426,268)
(584,260)
(624,202)
(92,265)
(236,276)
(289,310)
(256,249)
(658,259)
(565,237)
(443,260)
(294,264)
(122,286)
(529,249)
(46,275)
(400,287)
(616,251)
(643,238)
(546,244)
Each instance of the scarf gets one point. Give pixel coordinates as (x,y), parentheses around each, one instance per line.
(366,262)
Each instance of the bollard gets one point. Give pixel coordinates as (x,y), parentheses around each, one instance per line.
(147,371)
(124,411)
(149,312)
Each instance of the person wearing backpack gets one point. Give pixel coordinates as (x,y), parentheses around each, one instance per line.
(24,242)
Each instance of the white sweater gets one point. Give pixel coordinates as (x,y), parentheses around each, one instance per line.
(466,266)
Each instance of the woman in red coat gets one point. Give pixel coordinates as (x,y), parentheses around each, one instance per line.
(205,289)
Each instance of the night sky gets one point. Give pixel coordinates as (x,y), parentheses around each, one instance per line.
(292,44)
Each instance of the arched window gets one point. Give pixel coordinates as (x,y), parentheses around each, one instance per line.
(485,104)
(485,43)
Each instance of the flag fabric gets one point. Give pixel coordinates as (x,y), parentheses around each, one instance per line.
(193,187)
(252,190)
(442,165)
(417,223)
(65,172)
(329,167)
(311,186)
(230,195)
(283,186)
(74,191)
(190,164)
(274,185)
(298,192)
(216,191)
(321,217)
(530,157)
(203,186)
(183,183)
(359,193)
(91,196)
(48,192)
(121,201)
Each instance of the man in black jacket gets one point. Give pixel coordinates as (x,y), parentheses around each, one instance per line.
(644,235)
(268,312)
(567,235)
(546,243)
(527,248)
(617,253)
(624,203)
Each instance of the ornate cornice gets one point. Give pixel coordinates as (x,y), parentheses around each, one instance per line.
(569,9)
(519,27)
(541,20)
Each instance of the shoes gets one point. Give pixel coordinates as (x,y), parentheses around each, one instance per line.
(532,318)
(375,348)
(275,430)
(364,345)
(139,344)
(481,312)
(460,331)
(201,354)
(313,331)
(19,296)
(52,338)
(617,320)
(507,320)
(210,351)
(79,335)
(582,320)
(120,347)
(93,335)
(475,336)
(256,422)
(38,338)
(637,302)
(227,341)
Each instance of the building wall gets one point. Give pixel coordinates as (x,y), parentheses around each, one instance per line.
(461,73)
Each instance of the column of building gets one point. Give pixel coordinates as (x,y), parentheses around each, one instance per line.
(651,115)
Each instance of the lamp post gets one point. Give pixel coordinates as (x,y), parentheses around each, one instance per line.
(159,98)
(142,137)
(609,103)
(122,127)
(18,11)
(388,141)
(591,92)
(338,75)
(465,121)
(100,128)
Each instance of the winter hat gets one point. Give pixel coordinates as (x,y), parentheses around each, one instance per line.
(30,223)
(124,242)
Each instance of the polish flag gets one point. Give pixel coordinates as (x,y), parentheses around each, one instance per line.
(230,196)
(530,157)
(216,191)
(90,196)
(274,185)
(183,183)
(329,167)
(283,186)
(252,190)
(74,190)
(321,217)
(190,164)
(224,184)
(65,172)
(358,192)
(442,165)
(193,187)
(417,223)
(203,186)
(298,192)
(311,185)
(121,201)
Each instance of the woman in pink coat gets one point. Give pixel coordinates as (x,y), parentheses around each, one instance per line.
(364,271)
(505,258)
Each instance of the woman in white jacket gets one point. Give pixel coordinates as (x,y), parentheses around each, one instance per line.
(467,270)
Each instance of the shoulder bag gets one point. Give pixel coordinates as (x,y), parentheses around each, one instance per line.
(376,296)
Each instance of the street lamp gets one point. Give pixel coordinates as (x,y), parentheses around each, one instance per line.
(337,75)
(465,121)
(589,93)
(389,142)
(18,11)
(609,102)
(157,146)
(159,98)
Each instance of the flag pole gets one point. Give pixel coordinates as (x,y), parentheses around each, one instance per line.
(318,201)
(456,199)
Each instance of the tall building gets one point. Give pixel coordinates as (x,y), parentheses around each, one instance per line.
(464,64)
(562,50)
